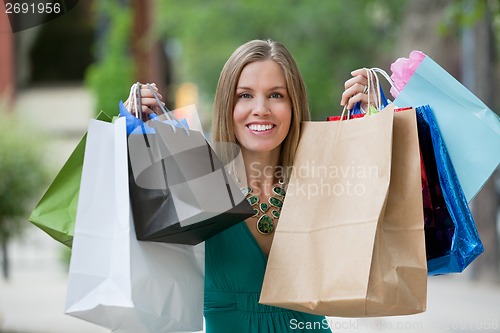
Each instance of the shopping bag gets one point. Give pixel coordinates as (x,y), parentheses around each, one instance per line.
(346,244)
(115,280)
(470,130)
(136,125)
(55,213)
(179,188)
(186,116)
(452,240)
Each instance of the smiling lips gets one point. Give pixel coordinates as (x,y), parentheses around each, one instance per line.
(260,127)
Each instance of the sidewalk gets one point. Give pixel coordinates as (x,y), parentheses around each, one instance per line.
(32,301)
(454,304)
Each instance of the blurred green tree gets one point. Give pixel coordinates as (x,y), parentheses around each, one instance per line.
(22,177)
(327,38)
(110,77)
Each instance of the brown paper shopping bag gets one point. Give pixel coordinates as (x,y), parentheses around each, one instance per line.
(350,238)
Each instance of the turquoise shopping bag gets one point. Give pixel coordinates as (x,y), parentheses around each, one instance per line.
(470,130)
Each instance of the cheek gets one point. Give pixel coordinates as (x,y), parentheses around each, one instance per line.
(237,115)
(286,118)
(238,121)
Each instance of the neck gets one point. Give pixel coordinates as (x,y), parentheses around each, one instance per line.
(262,170)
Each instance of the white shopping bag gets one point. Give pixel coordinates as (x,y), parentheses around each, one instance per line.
(115,280)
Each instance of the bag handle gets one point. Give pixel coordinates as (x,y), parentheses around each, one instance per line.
(369,87)
(374,84)
(137,100)
(169,114)
(373,87)
(369,76)
(386,76)
(135,106)
(135,94)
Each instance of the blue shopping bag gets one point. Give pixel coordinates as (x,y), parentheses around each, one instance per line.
(470,130)
(137,126)
(356,109)
(452,241)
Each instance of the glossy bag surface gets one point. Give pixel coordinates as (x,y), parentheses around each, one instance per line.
(452,240)
(180,190)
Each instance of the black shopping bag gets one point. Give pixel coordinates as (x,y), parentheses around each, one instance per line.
(179,189)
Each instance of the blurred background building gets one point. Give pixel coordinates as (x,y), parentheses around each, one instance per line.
(56,76)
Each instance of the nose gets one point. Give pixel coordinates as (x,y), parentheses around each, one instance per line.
(261,107)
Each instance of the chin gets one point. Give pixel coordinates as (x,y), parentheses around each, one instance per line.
(261,148)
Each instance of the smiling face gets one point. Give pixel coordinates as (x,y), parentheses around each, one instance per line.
(263,110)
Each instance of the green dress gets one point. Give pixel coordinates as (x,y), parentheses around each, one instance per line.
(234,272)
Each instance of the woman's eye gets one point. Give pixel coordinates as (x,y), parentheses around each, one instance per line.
(276,95)
(245,95)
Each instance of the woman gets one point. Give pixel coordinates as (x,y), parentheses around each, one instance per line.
(259,104)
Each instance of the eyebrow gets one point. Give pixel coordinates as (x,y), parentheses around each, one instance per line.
(272,88)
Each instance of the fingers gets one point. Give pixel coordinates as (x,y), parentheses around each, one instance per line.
(355,89)
(147,93)
(354,94)
(359,72)
(149,104)
(358,97)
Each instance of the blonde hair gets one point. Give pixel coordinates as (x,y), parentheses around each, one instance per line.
(257,50)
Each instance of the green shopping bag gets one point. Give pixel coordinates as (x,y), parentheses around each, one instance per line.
(55,213)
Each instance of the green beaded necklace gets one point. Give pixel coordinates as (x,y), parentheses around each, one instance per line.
(265,224)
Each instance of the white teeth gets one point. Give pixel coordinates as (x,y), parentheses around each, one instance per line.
(259,128)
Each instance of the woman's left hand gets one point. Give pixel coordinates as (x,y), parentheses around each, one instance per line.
(356,90)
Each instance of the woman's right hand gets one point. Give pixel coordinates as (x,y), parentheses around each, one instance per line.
(356,90)
(149,104)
